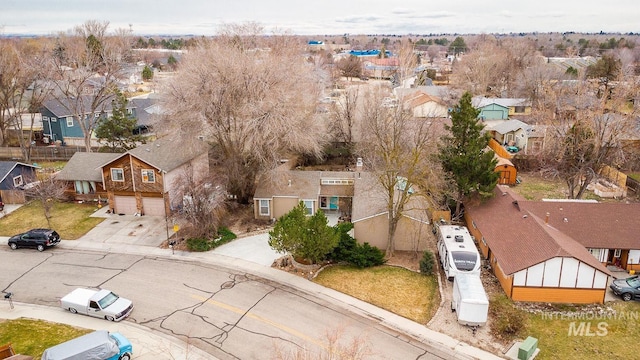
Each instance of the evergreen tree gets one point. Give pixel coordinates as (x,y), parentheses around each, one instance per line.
(117,131)
(457,46)
(309,238)
(172,62)
(147,73)
(464,154)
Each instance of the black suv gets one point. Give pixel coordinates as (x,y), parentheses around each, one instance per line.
(35,238)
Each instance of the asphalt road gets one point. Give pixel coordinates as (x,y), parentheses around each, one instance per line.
(229,314)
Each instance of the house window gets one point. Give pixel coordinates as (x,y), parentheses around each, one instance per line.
(264,207)
(69,121)
(148,176)
(45,118)
(117,174)
(519,109)
(596,253)
(617,253)
(54,119)
(18,181)
(309,205)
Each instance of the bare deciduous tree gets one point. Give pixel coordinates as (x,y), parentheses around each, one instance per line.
(253,97)
(398,150)
(11,86)
(47,190)
(335,345)
(203,204)
(88,64)
(344,113)
(586,133)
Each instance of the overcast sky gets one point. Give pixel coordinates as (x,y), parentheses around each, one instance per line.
(326,17)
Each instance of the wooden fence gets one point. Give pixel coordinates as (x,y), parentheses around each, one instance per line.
(41,153)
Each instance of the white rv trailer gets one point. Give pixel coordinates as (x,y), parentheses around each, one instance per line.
(457,251)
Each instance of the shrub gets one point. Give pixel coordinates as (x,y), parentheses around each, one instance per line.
(366,255)
(508,322)
(428,262)
(226,235)
(346,244)
(202,244)
(198,244)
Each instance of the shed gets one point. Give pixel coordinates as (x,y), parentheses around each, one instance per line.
(507,171)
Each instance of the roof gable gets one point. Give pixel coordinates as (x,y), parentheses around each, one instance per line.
(6,167)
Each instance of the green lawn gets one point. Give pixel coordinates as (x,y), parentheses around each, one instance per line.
(32,337)
(71,220)
(401,291)
(592,337)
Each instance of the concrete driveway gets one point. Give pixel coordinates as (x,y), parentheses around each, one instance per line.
(129,230)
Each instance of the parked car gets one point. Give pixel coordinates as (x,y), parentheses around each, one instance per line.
(35,238)
(628,288)
(99,303)
(1,206)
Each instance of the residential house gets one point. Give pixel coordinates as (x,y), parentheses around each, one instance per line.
(501,108)
(425,106)
(146,180)
(82,175)
(13,177)
(609,231)
(554,251)
(342,196)
(61,125)
(517,136)
(280,191)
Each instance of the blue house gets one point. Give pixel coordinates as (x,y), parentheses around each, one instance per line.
(501,108)
(60,124)
(13,177)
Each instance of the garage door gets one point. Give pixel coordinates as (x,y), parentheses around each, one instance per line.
(125,205)
(153,206)
(493,114)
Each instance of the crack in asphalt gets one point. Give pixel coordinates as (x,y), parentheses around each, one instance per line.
(219,339)
(49,256)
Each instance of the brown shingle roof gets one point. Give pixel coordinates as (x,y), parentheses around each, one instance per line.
(519,238)
(594,225)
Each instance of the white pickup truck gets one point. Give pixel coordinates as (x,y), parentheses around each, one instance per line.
(98,303)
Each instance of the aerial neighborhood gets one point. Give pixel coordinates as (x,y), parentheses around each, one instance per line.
(502,169)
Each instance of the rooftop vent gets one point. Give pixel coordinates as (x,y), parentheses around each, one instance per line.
(459,238)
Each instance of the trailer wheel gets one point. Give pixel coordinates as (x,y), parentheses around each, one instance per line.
(73,311)
(110,318)
(125,357)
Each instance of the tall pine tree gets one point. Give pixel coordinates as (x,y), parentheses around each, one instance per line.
(465,155)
